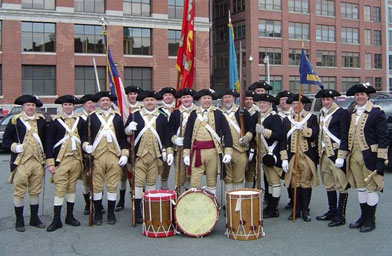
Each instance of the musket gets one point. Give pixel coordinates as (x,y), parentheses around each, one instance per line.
(179,158)
(256,174)
(132,179)
(91,170)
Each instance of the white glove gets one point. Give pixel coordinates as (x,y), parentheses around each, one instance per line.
(187,160)
(226,159)
(298,126)
(88,149)
(179,141)
(131,127)
(123,161)
(339,162)
(285,166)
(260,128)
(19,148)
(169,159)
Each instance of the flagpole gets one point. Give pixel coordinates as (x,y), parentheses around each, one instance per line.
(296,158)
(96,76)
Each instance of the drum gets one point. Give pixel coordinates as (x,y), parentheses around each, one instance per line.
(158,213)
(244,210)
(196,212)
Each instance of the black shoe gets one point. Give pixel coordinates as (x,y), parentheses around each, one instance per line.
(111,215)
(56,223)
(359,223)
(120,204)
(340,218)
(87,206)
(34,220)
(98,212)
(138,211)
(70,219)
(297,215)
(272,210)
(289,205)
(336,223)
(370,222)
(19,224)
(326,216)
(306,216)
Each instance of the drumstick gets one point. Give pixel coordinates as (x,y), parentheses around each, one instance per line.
(367,179)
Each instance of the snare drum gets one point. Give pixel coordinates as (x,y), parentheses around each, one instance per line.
(244,214)
(196,212)
(158,213)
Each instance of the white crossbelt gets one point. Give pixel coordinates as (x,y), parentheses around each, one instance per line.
(271,148)
(209,128)
(325,128)
(185,117)
(148,126)
(229,118)
(107,132)
(302,122)
(73,138)
(281,115)
(34,134)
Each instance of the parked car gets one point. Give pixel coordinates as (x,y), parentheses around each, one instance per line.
(3,124)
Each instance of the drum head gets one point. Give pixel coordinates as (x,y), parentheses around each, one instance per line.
(196,214)
(159,195)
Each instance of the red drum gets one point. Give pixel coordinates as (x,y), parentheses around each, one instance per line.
(158,213)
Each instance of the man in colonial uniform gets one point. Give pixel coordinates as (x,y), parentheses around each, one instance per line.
(202,141)
(64,159)
(235,170)
(109,148)
(132,93)
(304,133)
(168,106)
(368,146)
(269,130)
(260,87)
(151,137)
(25,137)
(177,130)
(333,151)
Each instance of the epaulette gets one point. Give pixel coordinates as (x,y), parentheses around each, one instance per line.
(54,117)
(163,112)
(273,112)
(116,112)
(379,107)
(15,117)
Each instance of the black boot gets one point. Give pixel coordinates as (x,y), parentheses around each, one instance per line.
(98,212)
(289,205)
(370,222)
(340,217)
(332,202)
(120,204)
(272,209)
(297,204)
(87,206)
(56,223)
(19,225)
(34,220)
(267,195)
(305,200)
(111,216)
(359,223)
(138,211)
(70,219)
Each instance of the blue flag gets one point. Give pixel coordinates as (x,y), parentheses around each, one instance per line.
(307,73)
(233,73)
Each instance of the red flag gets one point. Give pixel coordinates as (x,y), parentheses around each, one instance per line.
(186,50)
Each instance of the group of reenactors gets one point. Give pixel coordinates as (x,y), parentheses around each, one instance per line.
(270,137)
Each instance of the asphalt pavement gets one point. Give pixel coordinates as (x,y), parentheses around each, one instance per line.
(282,237)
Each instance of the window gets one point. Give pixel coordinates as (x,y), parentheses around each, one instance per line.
(325,7)
(94,6)
(38,4)
(326,58)
(376,14)
(138,76)
(175,9)
(221,60)
(1,28)
(368,37)
(137,41)
(298,30)
(221,34)
(378,83)
(377,37)
(238,5)
(88,39)
(38,37)
(325,33)
(350,59)
(366,12)
(390,15)
(349,11)
(220,9)
(389,37)
(274,55)
(350,35)
(269,28)
(329,82)
(270,4)
(348,82)
(377,61)
(275,82)
(1,80)
(39,80)
(85,81)
(174,37)
(368,61)
(295,56)
(294,85)
(300,6)
(137,7)
(239,30)
(390,62)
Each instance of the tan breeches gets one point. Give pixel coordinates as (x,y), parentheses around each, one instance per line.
(146,169)
(106,169)
(235,170)
(66,176)
(333,178)
(273,174)
(209,167)
(28,175)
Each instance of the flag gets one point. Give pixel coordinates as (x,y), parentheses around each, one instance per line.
(186,50)
(233,73)
(115,84)
(307,73)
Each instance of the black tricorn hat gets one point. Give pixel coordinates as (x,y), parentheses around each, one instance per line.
(264,97)
(295,97)
(269,160)
(250,93)
(205,92)
(282,94)
(364,87)
(66,99)
(260,84)
(133,88)
(327,93)
(228,92)
(185,91)
(148,94)
(28,98)
(102,94)
(86,98)
(167,90)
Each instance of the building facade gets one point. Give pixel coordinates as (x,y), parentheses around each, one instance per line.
(48,46)
(345,40)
